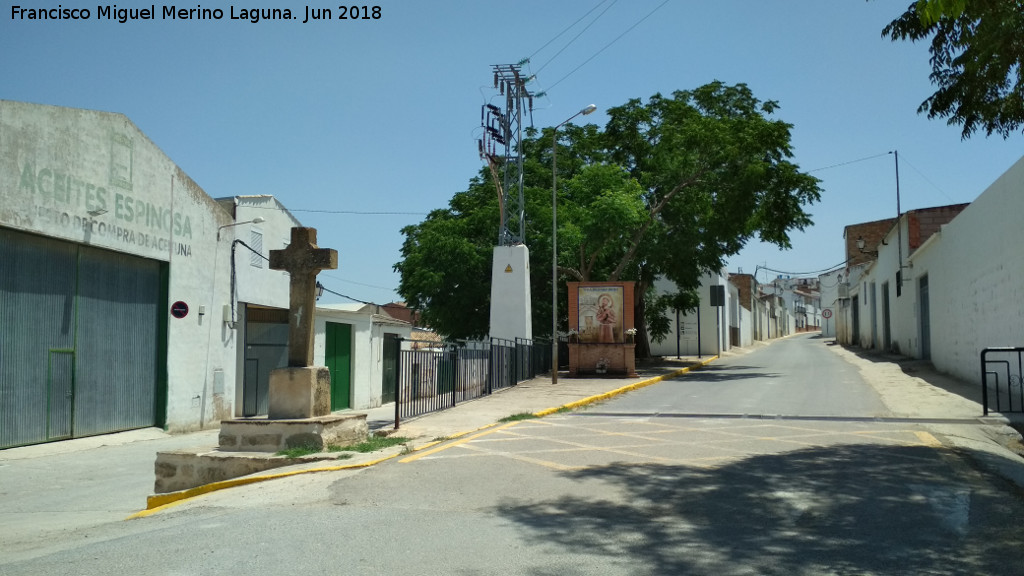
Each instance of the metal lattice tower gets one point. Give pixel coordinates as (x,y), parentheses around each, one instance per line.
(500,147)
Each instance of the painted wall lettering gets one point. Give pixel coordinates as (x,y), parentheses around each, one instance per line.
(73,192)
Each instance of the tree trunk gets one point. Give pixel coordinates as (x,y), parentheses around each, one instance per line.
(643,345)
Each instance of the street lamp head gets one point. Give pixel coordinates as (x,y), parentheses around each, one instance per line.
(588,109)
(860,243)
(256,220)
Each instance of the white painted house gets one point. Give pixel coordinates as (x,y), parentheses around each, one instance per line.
(945,290)
(358,342)
(704,331)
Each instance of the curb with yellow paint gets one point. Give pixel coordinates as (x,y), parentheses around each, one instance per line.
(623,390)
(160,502)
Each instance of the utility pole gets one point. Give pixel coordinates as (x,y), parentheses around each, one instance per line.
(500,145)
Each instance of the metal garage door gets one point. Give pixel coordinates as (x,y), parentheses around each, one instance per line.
(78,340)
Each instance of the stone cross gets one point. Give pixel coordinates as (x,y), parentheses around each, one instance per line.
(302,259)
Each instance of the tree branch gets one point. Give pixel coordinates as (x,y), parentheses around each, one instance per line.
(655,210)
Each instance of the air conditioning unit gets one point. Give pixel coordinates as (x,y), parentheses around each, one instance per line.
(844,290)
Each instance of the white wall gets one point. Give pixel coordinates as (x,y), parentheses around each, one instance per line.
(365,369)
(973,267)
(703,331)
(259,284)
(511,315)
(829,291)
(746,327)
(974,276)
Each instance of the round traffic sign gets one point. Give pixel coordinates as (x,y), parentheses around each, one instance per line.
(179,309)
(826,313)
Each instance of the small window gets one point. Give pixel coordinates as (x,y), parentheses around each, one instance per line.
(899,283)
(256,257)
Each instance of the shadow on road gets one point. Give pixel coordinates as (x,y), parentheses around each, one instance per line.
(716,373)
(851,509)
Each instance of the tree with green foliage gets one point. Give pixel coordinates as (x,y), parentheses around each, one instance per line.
(977,58)
(671,187)
(716,172)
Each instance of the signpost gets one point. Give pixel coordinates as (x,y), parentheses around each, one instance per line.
(826,314)
(718,301)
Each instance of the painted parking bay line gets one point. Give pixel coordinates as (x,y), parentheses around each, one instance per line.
(458,442)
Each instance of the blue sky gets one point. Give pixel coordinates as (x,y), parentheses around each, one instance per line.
(374,122)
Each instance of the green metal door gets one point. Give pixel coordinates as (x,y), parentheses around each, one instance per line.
(338,357)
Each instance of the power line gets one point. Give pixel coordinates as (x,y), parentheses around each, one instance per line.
(921,174)
(574,38)
(850,162)
(356,212)
(811,273)
(325,289)
(358,283)
(606,46)
(567,28)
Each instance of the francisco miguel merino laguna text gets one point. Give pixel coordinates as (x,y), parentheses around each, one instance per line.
(123,15)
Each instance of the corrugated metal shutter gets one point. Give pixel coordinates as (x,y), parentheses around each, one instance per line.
(74,366)
(117,337)
(37,315)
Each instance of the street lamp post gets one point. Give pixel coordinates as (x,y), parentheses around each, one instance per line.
(256,220)
(554,241)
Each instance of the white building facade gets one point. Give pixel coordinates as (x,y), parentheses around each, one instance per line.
(956,293)
(129,298)
(704,331)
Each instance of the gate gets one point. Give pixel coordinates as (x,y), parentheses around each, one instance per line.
(81,341)
(1002,379)
(60,386)
(392,347)
(266,348)
(926,321)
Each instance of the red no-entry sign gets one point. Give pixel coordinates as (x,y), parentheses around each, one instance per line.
(179,309)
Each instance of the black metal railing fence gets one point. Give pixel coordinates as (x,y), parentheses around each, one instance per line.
(440,377)
(1002,379)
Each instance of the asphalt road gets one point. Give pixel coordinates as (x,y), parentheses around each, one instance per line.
(793,377)
(782,461)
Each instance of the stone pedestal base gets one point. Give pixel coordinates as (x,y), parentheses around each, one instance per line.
(268,435)
(299,393)
(247,446)
(181,469)
(602,359)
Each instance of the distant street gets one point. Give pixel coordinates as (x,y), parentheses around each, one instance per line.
(794,376)
(781,461)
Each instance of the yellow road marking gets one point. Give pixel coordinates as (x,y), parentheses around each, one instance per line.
(160,502)
(928,440)
(458,442)
(624,389)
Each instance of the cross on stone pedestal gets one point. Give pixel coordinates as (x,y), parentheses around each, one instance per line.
(302,259)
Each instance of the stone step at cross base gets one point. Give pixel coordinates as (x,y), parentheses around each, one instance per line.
(248,446)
